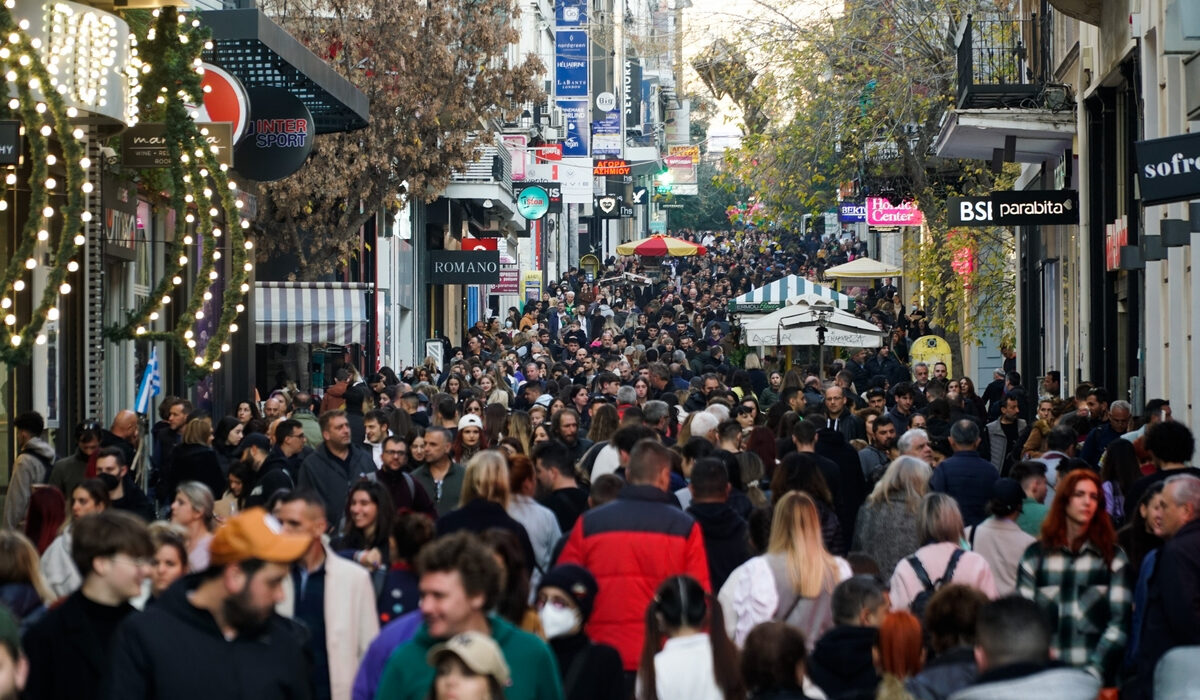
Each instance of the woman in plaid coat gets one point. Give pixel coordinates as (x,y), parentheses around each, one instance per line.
(1080,578)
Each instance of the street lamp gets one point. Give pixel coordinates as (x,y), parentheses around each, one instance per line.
(821,313)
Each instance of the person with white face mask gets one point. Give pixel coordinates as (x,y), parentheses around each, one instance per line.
(590,671)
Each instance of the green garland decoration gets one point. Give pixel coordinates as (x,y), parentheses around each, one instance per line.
(24,69)
(198,188)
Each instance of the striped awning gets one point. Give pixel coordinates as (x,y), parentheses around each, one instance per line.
(775,295)
(311,312)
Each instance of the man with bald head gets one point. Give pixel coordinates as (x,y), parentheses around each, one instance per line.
(123,434)
(838,416)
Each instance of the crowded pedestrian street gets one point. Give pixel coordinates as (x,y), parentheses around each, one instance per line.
(659,350)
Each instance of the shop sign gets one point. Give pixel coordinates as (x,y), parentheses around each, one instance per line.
(570,13)
(691,151)
(531,282)
(1015,208)
(485,244)
(463,267)
(533,202)
(571,64)
(579,134)
(279,136)
(612,207)
(547,153)
(10,142)
(144,145)
(553,190)
(225,100)
(509,281)
(852,212)
(631,93)
(1169,169)
(880,212)
(1116,236)
(616,166)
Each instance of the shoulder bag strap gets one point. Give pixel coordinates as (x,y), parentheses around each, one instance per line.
(919,570)
(949,575)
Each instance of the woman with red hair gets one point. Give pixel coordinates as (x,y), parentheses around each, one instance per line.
(1080,578)
(900,653)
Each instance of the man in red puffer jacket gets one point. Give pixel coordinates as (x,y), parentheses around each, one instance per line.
(633,544)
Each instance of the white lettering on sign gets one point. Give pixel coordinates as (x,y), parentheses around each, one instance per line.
(464,268)
(1178,165)
(7,149)
(977,211)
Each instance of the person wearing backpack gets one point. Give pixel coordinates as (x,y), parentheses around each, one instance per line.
(941,559)
(34,461)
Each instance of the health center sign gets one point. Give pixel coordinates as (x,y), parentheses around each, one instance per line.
(880,212)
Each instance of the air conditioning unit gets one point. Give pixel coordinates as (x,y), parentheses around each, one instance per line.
(557,121)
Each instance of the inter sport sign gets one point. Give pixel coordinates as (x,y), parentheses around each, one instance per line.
(1015,208)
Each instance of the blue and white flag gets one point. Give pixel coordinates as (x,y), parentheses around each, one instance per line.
(151,384)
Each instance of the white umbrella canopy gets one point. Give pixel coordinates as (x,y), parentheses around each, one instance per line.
(796,324)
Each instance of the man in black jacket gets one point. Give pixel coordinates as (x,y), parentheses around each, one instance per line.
(269,465)
(333,466)
(113,470)
(224,618)
(1172,613)
(841,663)
(726,538)
(69,649)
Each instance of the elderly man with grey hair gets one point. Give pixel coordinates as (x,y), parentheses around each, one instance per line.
(915,443)
(1120,413)
(1172,617)
(966,476)
(626,396)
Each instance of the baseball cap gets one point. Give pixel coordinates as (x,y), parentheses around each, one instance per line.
(470,421)
(252,440)
(255,534)
(477,651)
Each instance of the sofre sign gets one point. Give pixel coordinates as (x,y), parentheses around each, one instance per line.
(1169,169)
(611,167)
(1015,208)
(463,267)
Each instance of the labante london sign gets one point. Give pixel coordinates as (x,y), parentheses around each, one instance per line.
(1169,169)
(464,267)
(1015,208)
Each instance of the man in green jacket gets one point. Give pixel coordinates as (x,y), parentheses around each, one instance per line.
(460,582)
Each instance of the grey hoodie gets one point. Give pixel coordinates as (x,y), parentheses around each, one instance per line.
(1058,683)
(27,471)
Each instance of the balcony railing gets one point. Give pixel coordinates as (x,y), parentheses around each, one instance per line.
(494,165)
(1003,62)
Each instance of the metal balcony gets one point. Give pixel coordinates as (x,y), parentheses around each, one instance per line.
(494,166)
(1003,63)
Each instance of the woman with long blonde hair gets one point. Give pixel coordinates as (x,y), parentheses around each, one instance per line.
(485,497)
(793,582)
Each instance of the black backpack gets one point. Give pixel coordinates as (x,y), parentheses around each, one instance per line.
(917,606)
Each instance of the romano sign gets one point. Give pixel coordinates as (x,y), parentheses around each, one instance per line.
(1015,208)
(464,267)
(1169,169)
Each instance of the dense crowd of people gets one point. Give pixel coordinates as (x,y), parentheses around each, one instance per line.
(606,496)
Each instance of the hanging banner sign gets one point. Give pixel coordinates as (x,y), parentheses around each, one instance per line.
(571,64)
(463,267)
(1015,208)
(852,212)
(880,212)
(11,143)
(579,134)
(1169,169)
(570,13)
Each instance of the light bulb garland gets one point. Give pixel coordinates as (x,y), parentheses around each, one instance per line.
(198,188)
(25,72)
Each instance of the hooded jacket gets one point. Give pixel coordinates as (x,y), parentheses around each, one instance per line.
(726,539)
(29,468)
(272,476)
(176,650)
(841,664)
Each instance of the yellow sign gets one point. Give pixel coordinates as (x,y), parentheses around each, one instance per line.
(931,349)
(692,152)
(531,286)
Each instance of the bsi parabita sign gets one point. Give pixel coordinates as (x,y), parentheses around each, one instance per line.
(464,267)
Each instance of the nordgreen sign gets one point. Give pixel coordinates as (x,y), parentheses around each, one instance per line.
(533,202)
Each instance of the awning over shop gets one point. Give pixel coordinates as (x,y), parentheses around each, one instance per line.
(796,324)
(863,268)
(311,312)
(775,295)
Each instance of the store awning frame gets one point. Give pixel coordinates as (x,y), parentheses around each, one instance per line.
(260,53)
(311,312)
(774,295)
